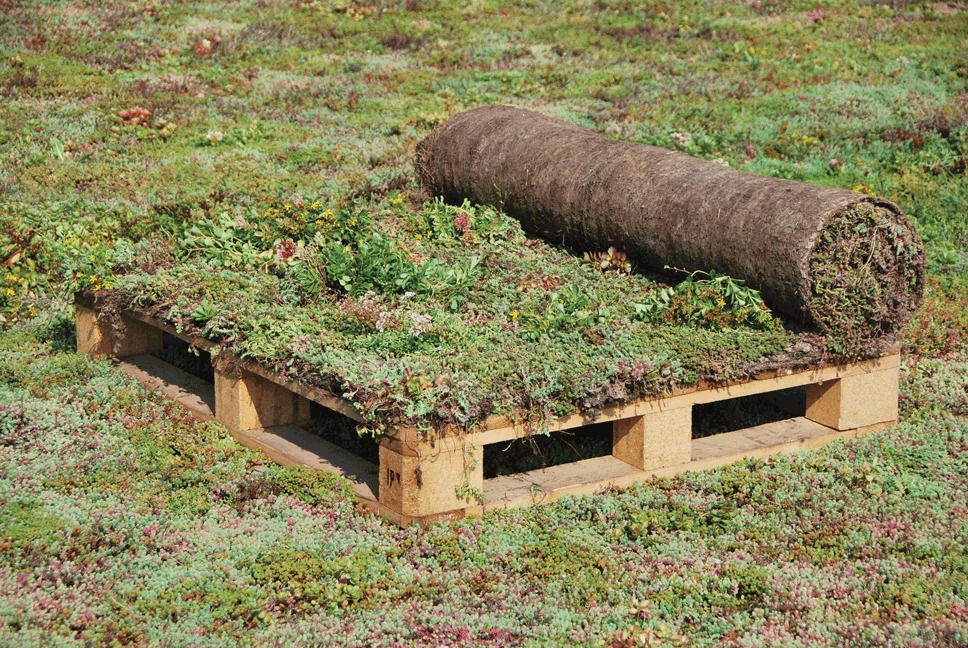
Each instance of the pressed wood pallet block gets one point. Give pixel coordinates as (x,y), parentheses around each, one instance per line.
(424,479)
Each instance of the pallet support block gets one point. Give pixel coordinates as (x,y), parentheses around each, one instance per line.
(855,401)
(97,337)
(655,440)
(245,401)
(426,481)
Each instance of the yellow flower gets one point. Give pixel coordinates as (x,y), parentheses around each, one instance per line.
(721,303)
(419,237)
(515,314)
(11,292)
(315,205)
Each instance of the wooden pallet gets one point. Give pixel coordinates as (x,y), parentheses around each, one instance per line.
(422,480)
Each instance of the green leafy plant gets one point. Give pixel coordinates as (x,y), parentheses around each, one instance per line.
(228,242)
(719,301)
(266,240)
(469,493)
(466,224)
(207,310)
(379,264)
(21,274)
(373,264)
(567,309)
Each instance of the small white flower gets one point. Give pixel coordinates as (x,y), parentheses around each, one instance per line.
(420,323)
(384,321)
(681,139)
(214,136)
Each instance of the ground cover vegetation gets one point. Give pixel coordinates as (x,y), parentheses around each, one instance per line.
(267,148)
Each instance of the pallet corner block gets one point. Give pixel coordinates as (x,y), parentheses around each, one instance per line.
(425,481)
(857,400)
(98,337)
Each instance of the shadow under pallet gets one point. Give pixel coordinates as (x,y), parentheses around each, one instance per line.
(421,480)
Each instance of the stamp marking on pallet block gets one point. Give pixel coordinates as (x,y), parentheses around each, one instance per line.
(423,478)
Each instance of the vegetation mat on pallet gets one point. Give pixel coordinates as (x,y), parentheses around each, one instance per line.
(442,315)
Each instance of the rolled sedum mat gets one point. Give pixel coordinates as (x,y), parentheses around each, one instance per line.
(850,265)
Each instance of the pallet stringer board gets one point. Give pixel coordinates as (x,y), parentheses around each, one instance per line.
(499,429)
(601,474)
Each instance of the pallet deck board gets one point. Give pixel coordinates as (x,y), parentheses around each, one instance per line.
(537,486)
(425,478)
(754,438)
(291,445)
(172,383)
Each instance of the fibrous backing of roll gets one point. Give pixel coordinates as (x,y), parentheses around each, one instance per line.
(850,265)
